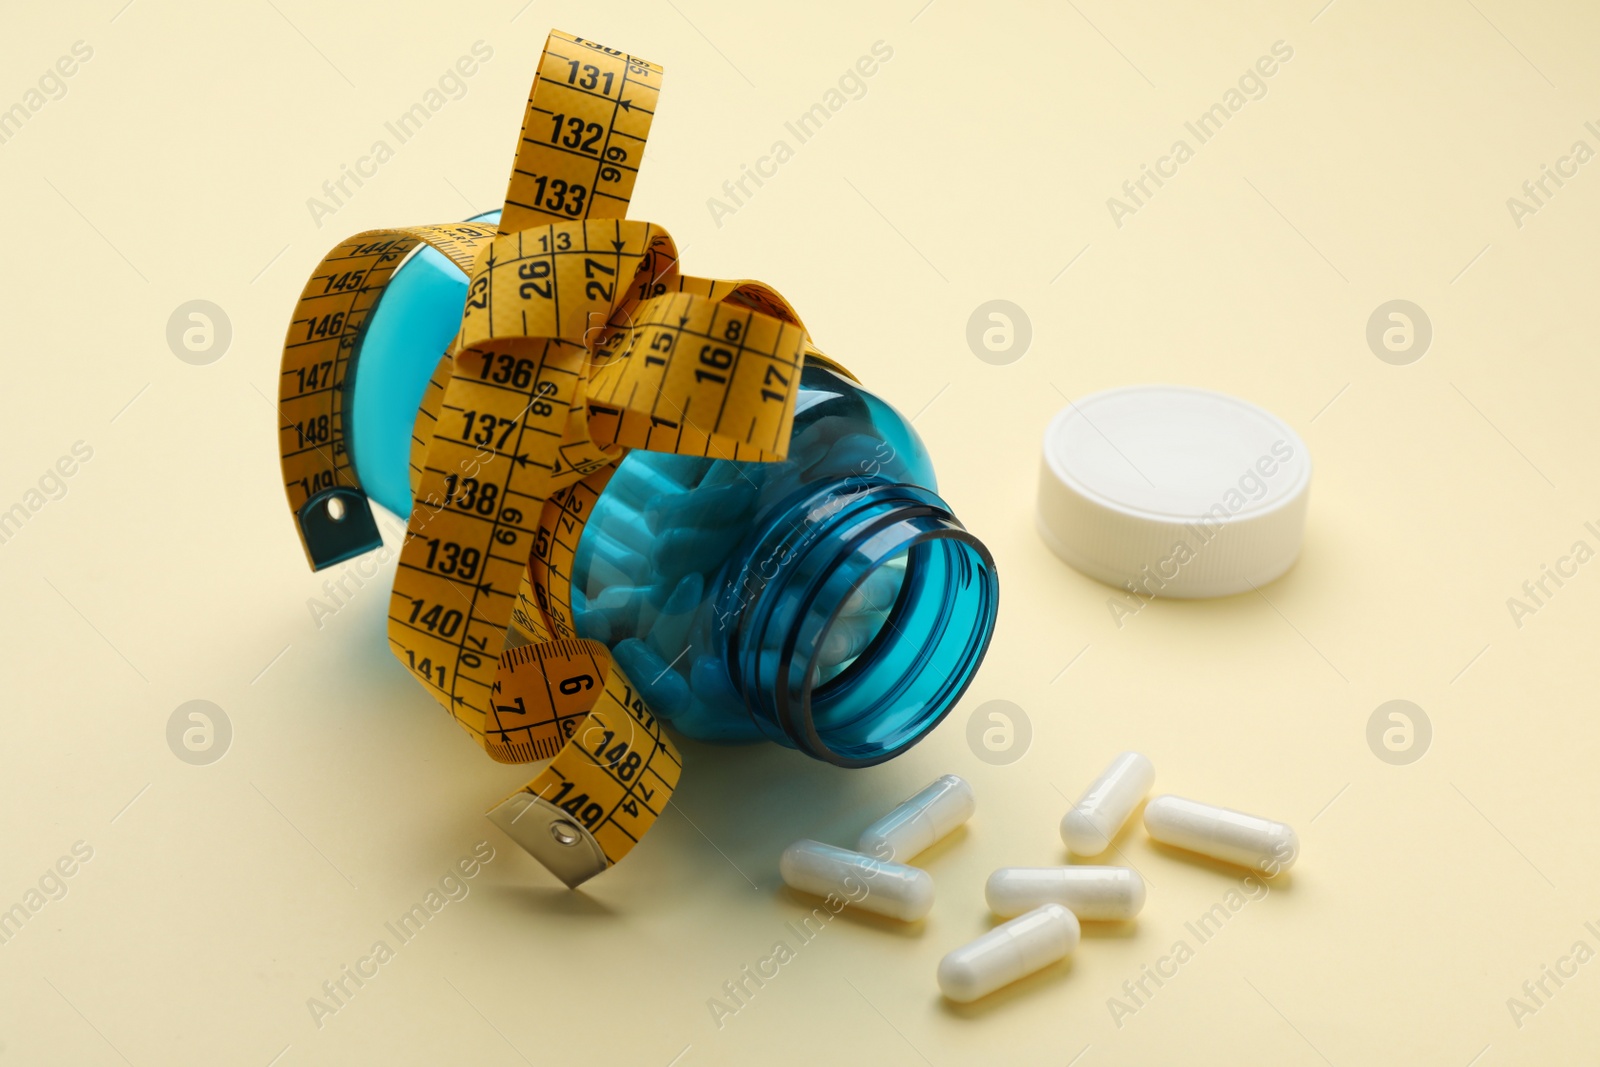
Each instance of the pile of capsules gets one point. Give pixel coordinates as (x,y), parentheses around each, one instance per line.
(653,553)
(1043,904)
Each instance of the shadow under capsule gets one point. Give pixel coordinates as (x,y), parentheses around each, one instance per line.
(854,915)
(1096,929)
(1282,882)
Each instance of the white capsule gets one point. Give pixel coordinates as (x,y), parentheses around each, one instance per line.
(878,590)
(1221,833)
(846,638)
(1010,951)
(891,889)
(1097,893)
(919,822)
(1097,816)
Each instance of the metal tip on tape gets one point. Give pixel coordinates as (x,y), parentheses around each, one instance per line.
(336,525)
(550,836)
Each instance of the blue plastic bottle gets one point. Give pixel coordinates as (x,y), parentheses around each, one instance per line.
(831,602)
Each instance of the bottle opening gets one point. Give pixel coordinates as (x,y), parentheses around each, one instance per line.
(875,611)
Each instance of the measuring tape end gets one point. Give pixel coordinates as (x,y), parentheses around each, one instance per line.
(337,525)
(550,836)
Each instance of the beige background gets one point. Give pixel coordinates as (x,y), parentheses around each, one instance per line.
(977,166)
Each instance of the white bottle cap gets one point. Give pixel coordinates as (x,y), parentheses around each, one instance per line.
(1172,491)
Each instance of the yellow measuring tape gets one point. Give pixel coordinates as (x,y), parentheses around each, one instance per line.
(579,341)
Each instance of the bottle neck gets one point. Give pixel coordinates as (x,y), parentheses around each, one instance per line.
(820,666)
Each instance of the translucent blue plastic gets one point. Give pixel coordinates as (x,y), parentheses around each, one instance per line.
(831,602)
(407,334)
